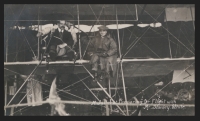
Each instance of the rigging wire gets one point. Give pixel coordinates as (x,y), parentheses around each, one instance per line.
(90,31)
(57,91)
(129,10)
(28,44)
(171,81)
(133,44)
(150,85)
(89,89)
(137,39)
(186,33)
(94,14)
(170,33)
(16,20)
(164,36)
(170,52)
(156,18)
(22,50)
(17,52)
(187,40)
(29,74)
(21,31)
(67,11)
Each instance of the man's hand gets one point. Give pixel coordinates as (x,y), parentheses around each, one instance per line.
(53,29)
(103,54)
(39,34)
(62,45)
(73,46)
(90,53)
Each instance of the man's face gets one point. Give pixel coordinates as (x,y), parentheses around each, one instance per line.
(61,25)
(103,32)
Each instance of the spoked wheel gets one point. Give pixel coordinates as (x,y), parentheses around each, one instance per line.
(184,95)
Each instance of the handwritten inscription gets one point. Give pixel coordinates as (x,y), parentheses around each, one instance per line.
(157,103)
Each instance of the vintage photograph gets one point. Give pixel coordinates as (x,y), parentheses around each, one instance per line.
(99,59)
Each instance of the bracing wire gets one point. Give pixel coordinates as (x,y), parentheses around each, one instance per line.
(16,20)
(169,32)
(22,32)
(91,29)
(132,44)
(47,85)
(171,81)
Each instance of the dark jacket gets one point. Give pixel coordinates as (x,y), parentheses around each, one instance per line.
(67,38)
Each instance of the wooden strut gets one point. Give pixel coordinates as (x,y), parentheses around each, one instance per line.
(6,90)
(79,33)
(124,88)
(24,82)
(101,103)
(111,98)
(38,53)
(71,20)
(104,90)
(90,91)
(15,87)
(107,109)
(120,55)
(170,52)
(192,18)
(86,61)
(7,47)
(109,90)
(136,12)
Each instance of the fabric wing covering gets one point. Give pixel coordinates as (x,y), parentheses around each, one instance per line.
(180,14)
(53,96)
(34,92)
(180,77)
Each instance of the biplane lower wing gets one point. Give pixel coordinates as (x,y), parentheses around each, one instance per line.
(131,67)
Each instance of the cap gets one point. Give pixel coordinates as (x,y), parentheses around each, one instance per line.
(103,27)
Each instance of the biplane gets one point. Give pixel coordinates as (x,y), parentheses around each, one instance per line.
(155,44)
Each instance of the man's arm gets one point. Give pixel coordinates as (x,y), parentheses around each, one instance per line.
(73,33)
(91,48)
(69,40)
(46,30)
(113,48)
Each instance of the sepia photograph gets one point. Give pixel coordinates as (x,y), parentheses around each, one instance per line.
(99,59)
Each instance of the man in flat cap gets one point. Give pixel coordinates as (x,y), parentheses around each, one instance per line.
(103,51)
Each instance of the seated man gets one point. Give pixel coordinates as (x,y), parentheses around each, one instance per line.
(103,50)
(60,42)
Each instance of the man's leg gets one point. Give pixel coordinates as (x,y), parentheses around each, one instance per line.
(52,52)
(69,53)
(94,62)
(105,69)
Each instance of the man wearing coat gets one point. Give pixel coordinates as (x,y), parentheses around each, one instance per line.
(60,42)
(103,51)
